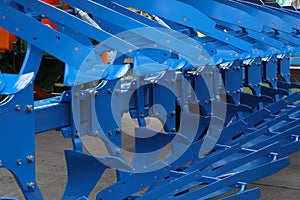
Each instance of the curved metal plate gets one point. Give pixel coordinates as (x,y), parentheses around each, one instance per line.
(16,83)
(2,82)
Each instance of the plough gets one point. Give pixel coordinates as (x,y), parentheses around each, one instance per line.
(215,73)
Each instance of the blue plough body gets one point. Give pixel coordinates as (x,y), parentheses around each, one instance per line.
(216,73)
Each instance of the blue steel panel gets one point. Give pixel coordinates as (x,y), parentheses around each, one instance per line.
(284,68)
(83,27)
(270,71)
(107,106)
(52,115)
(264,15)
(167,41)
(254,174)
(191,17)
(14,155)
(168,101)
(133,183)
(251,145)
(293,21)
(253,76)
(240,18)
(44,36)
(85,169)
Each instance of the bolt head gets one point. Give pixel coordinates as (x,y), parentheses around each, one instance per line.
(30,158)
(118,151)
(18,107)
(29,108)
(77,134)
(30,185)
(118,91)
(118,130)
(19,162)
(96,133)
(95,93)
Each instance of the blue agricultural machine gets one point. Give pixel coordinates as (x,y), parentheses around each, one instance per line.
(215,73)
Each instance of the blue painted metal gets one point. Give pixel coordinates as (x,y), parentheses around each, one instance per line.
(78,164)
(59,117)
(218,135)
(24,147)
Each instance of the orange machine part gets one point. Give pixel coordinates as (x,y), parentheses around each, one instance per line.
(55,3)
(6,40)
(104,57)
(47,21)
(52,2)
